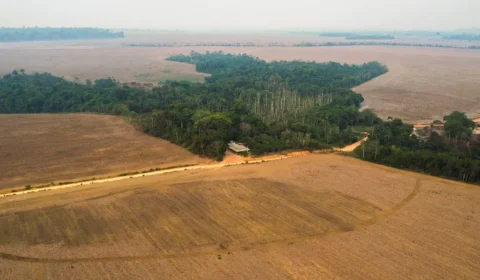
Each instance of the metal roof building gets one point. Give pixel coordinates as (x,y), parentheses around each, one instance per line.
(237,147)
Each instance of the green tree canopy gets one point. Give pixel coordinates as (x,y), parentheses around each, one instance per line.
(458,125)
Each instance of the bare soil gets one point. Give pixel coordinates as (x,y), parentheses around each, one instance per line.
(45,148)
(309,217)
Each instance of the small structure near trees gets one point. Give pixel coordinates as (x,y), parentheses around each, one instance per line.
(424,131)
(238,147)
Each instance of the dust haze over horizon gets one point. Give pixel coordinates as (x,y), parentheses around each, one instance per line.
(244,15)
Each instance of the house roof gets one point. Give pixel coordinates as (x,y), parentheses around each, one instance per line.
(238,148)
(420,125)
(435,125)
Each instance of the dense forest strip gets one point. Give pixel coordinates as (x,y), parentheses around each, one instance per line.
(50,34)
(268,106)
(452,154)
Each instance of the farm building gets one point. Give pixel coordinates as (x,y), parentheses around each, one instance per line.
(238,147)
(424,131)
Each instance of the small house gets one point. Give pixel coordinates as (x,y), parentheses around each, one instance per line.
(423,131)
(238,147)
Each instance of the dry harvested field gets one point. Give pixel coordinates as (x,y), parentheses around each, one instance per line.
(423,83)
(42,148)
(298,218)
(144,65)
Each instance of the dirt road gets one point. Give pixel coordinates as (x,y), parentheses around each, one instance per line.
(351,147)
(118,178)
(230,160)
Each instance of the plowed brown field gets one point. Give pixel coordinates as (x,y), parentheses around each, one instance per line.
(39,149)
(308,217)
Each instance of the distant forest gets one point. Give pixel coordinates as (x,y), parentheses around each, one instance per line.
(49,34)
(357,36)
(335,34)
(305,44)
(370,37)
(373,43)
(467,37)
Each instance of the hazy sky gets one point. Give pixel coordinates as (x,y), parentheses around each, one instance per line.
(244,14)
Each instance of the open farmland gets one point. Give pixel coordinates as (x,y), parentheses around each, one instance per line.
(423,83)
(124,64)
(302,217)
(44,148)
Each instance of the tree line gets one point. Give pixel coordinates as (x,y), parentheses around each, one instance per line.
(454,155)
(50,33)
(463,36)
(373,43)
(357,36)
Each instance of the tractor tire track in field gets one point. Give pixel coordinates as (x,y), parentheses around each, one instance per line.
(247,247)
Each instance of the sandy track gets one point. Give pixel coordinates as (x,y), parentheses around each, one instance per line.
(133,176)
(351,147)
(230,160)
